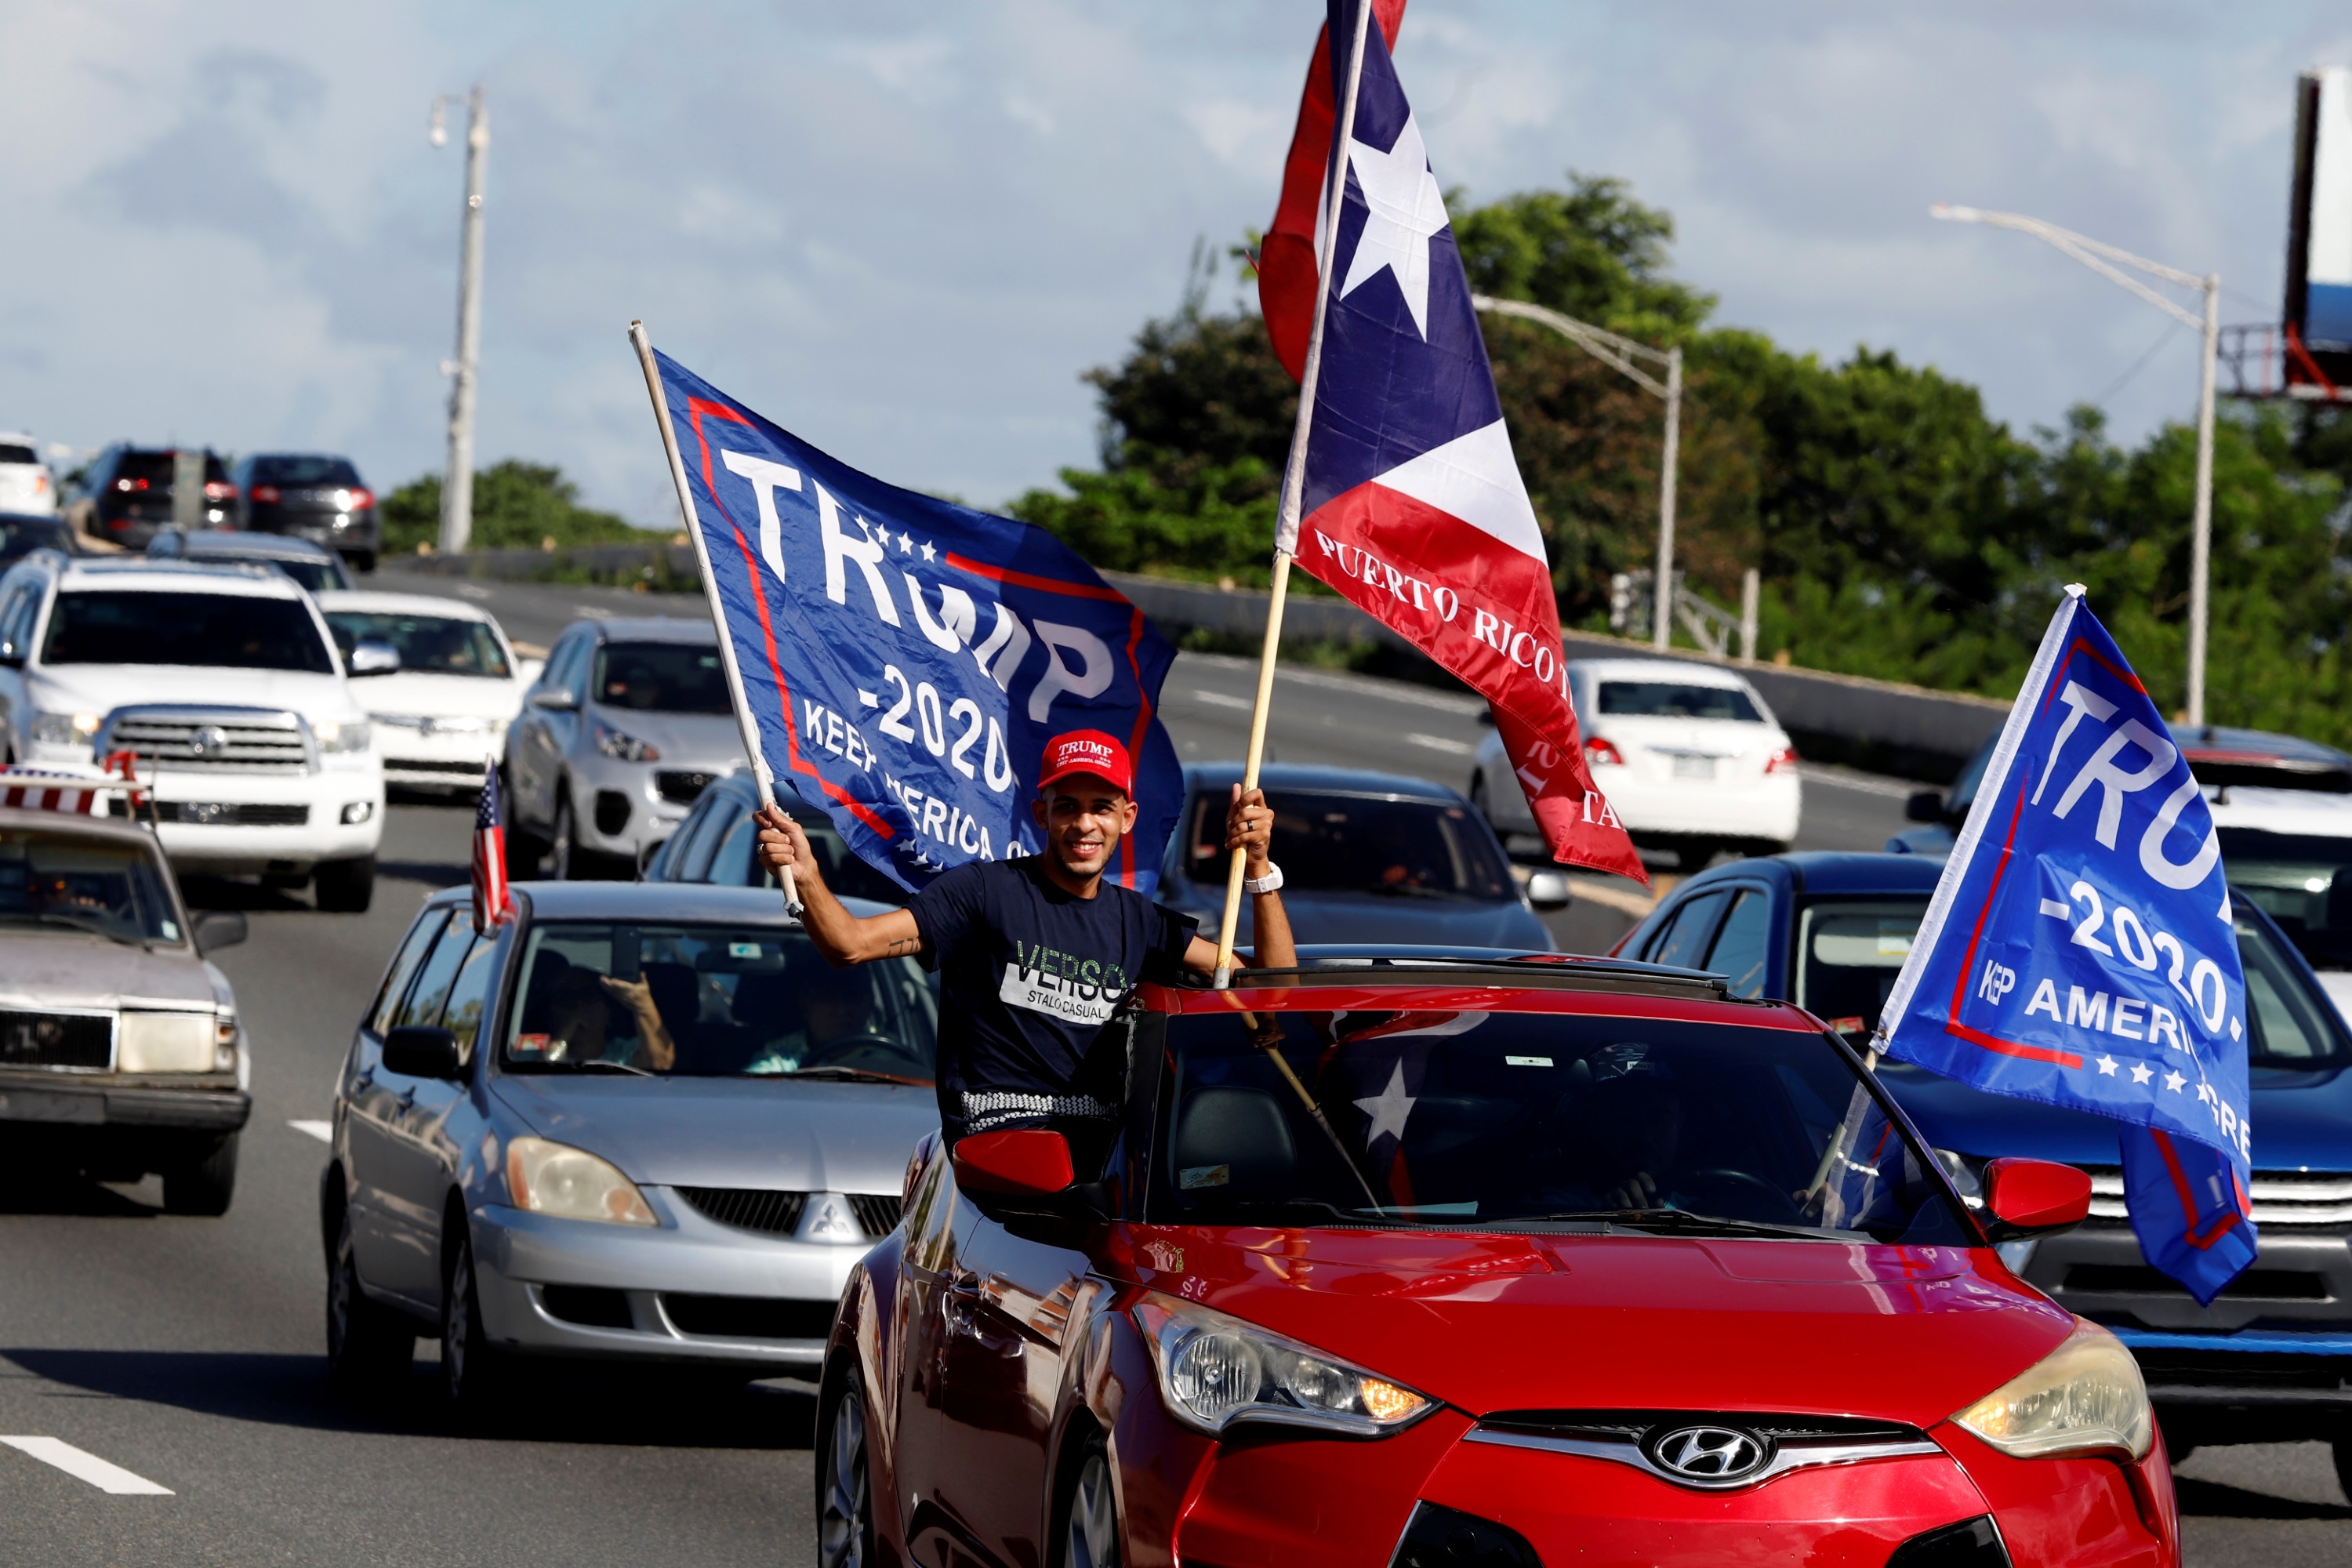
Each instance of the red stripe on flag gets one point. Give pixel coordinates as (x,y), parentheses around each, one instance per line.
(2190,1234)
(1024,580)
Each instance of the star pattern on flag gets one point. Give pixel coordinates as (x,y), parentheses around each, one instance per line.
(1387,1109)
(2106,1066)
(929,552)
(1404,211)
(905,544)
(2141,1073)
(2173,1080)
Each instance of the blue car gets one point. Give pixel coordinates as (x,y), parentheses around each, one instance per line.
(2271,1360)
(1365,857)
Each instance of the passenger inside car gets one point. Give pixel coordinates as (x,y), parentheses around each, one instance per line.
(580,1022)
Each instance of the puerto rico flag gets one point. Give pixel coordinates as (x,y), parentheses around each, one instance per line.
(1413,507)
(492,903)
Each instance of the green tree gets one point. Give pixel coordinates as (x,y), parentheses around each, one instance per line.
(1591,251)
(518,505)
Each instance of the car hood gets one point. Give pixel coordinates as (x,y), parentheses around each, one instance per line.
(732,1131)
(2301,1120)
(417,692)
(1348,917)
(58,968)
(684,740)
(1514,1322)
(102,687)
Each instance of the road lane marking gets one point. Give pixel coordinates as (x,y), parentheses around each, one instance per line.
(1833,778)
(87,1466)
(1219,699)
(467,591)
(1440,743)
(324,1131)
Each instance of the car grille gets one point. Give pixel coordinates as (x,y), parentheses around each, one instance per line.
(682,788)
(78,1042)
(748,1208)
(878,1213)
(243,740)
(231,814)
(748,1317)
(420,766)
(2280,1197)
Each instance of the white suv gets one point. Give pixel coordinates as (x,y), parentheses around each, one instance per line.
(25,483)
(224,681)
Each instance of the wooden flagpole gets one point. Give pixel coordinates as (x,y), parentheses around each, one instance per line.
(1294,478)
(743,720)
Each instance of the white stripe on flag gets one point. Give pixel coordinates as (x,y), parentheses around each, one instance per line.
(1475,478)
(87,1466)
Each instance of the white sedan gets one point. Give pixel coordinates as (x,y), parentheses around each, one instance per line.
(443,713)
(1688,754)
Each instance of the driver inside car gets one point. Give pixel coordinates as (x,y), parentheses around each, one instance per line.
(836,1006)
(1627,1130)
(580,1021)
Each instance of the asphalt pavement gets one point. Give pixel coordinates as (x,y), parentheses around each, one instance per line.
(162,1395)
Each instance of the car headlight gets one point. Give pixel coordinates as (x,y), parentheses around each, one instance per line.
(2084,1396)
(65,728)
(349,735)
(625,748)
(1215,1369)
(572,1183)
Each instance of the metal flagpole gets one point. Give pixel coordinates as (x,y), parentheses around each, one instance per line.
(744,722)
(1294,479)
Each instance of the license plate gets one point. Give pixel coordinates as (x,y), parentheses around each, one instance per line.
(1688,767)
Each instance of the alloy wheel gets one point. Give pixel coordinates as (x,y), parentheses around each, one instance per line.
(844,1526)
(1092,1539)
(457,1323)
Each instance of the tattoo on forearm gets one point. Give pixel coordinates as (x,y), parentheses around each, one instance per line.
(903,945)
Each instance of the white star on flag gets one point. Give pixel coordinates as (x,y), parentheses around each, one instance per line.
(1406,209)
(2141,1074)
(905,544)
(1387,1109)
(2106,1066)
(929,552)
(2173,1080)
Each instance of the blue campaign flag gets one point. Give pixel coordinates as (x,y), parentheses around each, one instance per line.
(2079,949)
(906,659)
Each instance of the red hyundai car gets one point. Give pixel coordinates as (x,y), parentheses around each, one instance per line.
(1478,1263)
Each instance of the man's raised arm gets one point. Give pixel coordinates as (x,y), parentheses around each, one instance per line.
(1249,827)
(840,936)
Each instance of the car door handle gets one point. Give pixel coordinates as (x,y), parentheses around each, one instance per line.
(966,1307)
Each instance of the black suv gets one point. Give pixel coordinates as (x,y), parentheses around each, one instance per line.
(311,497)
(126,494)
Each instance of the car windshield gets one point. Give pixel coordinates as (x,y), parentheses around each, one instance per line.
(668,677)
(1337,843)
(1494,1118)
(23,535)
(2303,881)
(1676,699)
(708,1001)
(153,470)
(103,885)
(11,452)
(316,576)
(237,631)
(304,471)
(436,645)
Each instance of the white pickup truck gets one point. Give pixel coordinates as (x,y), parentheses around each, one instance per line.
(224,681)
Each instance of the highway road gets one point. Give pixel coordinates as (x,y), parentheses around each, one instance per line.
(184,1353)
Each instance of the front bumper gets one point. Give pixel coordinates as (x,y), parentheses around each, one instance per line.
(440,759)
(347,532)
(230,846)
(655,1293)
(602,786)
(209,1103)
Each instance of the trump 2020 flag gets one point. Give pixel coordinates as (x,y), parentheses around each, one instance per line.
(906,659)
(2080,950)
(1413,505)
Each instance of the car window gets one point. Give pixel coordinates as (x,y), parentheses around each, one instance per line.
(732,863)
(304,471)
(693,863)
(1743,942)
(665,865)
(10,452)
(433,645)
(236,631)
(2303,881)
(423,1008)
(1415,1118)
(404,967)
(64,881)
(2294,1023)
(316,576)
(461,1014)
(1332,842)
(1849,951)
(20,536)
(714,1001)
(1685,936)
(567,669)
(1676,699)
(665,677)
(18,608)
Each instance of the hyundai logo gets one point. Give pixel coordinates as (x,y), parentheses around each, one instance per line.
(1710,1455)
(208,740)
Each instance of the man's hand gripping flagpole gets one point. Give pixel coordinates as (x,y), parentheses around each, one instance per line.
(1294,489)
(744,722)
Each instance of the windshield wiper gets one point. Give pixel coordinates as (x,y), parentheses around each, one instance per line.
(48,917)
(1406,891)
(596,1063)
(1317,1206)
(1681,1220)
(847,1075)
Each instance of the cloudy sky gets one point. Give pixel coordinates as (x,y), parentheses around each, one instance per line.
(902,229)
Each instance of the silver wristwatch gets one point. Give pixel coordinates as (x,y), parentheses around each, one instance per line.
(1270,882)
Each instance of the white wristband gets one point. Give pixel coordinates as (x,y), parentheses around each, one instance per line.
(1270,882)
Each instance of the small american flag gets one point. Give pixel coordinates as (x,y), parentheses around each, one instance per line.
(492,900)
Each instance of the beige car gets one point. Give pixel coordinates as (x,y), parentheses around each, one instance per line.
(120,1053)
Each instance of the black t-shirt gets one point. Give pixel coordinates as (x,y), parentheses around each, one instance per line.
(1028,977)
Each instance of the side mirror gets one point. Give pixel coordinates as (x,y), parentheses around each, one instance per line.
(555,699)
(11,655)
(1925,806)
(414,1052)
(1548,891)
(372,658)
(2034,1197)
(1031,1162)
(217,929)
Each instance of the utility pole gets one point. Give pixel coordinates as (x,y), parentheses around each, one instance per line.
(1662,619)
(458,485)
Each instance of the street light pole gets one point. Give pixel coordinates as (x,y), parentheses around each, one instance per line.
(2098,258)
(457,484)
(1620,353)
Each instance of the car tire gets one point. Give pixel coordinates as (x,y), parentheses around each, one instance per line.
(203,1185)
(364,561)
(1088,1532)
(370,1347)
(565,858)
(344,887)
(526,845)
(472,1371)
(844,1489)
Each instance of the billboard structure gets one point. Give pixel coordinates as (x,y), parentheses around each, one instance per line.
(2317,331)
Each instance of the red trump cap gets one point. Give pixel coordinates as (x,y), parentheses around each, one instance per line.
(1088,752)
